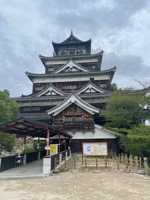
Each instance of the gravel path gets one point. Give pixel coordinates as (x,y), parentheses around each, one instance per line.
(78,186)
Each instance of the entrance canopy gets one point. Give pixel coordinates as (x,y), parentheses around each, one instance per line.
(31,128)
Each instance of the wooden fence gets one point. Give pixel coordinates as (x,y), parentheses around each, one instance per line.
(122,163)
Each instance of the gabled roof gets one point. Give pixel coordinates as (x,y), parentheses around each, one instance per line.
(71,66)
(51,90)
(90,88)
(99,133)
(73,98)
(71,40)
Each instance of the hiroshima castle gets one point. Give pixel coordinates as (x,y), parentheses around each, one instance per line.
(71,93)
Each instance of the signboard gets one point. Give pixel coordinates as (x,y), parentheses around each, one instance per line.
(53,149)
(95,149)
(47,147)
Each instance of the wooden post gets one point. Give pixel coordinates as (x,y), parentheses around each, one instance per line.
(140,163)
(82,158)
(126,161)
(24,144)
(58,142)
(122,158)
(131,162)
(146,166)
(74,159)
(85,162)
(96,163)
(117,160)
(105,162)
(47,142)
(65,144)
(136,163)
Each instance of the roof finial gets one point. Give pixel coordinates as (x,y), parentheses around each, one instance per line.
(71,32)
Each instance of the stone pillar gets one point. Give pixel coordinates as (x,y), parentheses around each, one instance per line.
(70,152)
(39,155)
(47,166)
(60,158)
(24,159)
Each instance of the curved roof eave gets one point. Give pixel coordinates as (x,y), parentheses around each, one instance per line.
(70,39)
(44,58)
(32,75)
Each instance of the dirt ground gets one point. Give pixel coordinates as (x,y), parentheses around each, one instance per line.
(78,186)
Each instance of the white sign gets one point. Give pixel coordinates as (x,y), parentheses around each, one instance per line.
(47,147)
(95,149)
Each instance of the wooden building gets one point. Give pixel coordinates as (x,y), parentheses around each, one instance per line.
(71,92)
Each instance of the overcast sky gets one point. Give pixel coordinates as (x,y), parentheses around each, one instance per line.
(121,28)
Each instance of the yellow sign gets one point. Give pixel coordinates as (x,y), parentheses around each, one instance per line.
(53,149)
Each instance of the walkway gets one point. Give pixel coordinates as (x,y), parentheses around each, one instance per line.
(31,170)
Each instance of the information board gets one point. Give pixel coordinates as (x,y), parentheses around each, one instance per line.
(95,149)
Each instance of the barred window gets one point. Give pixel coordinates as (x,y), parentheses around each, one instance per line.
(73,119)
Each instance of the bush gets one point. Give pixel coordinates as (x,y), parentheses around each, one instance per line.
(29,150)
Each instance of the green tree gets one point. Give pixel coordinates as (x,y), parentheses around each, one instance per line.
(123,109)
(7,142)
(113,87)
(8,111)
(137,141)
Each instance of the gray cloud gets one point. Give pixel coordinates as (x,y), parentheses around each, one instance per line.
(129,68)
(27,28)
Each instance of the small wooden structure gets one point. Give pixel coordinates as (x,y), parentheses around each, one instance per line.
(24,127)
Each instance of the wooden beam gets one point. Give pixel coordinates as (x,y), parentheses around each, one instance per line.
(47,142)
(65,143)
(58,142)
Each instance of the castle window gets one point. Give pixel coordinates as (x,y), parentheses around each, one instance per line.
(66,87)
(73,118)
(38,88)
(72,52)
(26,109)
(36,108)
(103,85)
(69,87)
(73,87)
(63,53)
(50,69)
